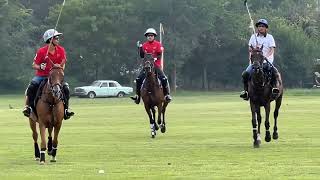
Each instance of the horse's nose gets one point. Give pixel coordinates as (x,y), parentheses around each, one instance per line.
(257,69)
(56,91)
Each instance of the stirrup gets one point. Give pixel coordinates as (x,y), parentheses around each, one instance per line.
(67,114)
(168,98)
(275,91)
(136,99)
(27,111)
(244,95)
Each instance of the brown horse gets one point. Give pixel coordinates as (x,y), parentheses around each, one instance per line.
(49,115)
(260,94)
(152,96)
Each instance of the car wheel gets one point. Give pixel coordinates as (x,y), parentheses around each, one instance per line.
(91,95)
(120,94)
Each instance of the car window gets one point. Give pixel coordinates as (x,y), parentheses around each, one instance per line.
(104,85)
(95,83)
(112,84)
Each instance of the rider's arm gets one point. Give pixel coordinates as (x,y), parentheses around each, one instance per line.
(270,53)
(63,63)
(249,51)
(251,44)
(37,60)
(141,52)
(271,43)
(160,49)
(35,66)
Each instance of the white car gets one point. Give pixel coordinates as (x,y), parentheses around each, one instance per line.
(102,88)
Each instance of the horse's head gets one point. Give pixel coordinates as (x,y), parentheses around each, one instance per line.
(148,63)
(55,80)
(257,59)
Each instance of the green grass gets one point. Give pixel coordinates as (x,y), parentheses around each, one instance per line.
(209,136)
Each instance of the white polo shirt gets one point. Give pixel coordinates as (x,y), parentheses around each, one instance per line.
(267,42)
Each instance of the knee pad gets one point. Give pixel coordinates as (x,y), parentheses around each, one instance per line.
(32,88)
(245,75)
(164,81)
(66,90)
(65,84)
(139,80)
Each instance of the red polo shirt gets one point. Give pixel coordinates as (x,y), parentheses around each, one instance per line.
(56,58)
(155,48)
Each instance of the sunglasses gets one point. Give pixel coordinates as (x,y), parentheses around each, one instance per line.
(56,38)
(150,35)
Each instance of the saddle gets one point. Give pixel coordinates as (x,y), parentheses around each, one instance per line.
(159,81)
(268,72)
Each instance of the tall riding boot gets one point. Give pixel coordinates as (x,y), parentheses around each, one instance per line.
(27,109)
(166,90)
(30,95)
(67,112)
(275,82)
(137,97)
(245,79)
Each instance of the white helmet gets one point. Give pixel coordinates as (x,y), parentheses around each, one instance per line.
(49,34)
(150,31)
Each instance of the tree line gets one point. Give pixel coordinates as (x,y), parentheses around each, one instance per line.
(205,41)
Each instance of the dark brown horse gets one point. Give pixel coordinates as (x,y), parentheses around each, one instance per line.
(260,94)
(152,96)
(49,115)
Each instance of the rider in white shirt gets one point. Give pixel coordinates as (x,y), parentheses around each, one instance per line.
(262,38)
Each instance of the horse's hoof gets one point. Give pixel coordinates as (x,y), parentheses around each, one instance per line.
(259,138)
(156,127)
(153,134)
(53,160)
(259,141)
(256,144)
(42,163)
(163,129)
(275,136)
(37,158)
(268,137)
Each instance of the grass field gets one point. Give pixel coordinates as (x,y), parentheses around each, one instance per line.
(209,136)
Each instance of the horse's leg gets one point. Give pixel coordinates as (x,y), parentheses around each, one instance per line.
(49,145)
(152,121)
(159,114)
(163,129)
(154,117)
(254,125)
(259,123)
(33,126)
(275,114)
(267,123)
(43,143)
(55,141)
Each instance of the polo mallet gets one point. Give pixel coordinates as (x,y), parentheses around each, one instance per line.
(251,23)
(55,30)
(161,31)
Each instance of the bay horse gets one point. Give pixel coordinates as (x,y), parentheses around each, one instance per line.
(260,94)
(49,114)
(152,96)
